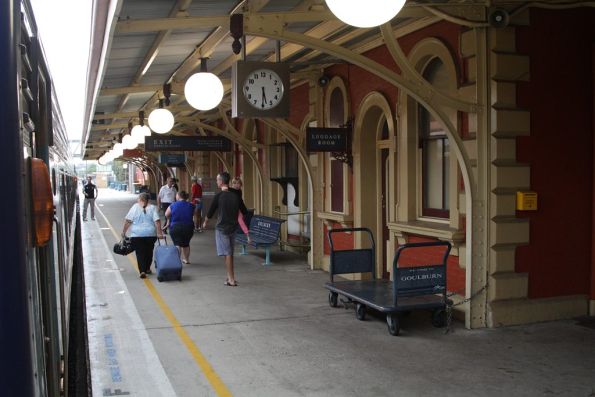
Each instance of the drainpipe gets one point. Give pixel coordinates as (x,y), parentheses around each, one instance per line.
(592,295)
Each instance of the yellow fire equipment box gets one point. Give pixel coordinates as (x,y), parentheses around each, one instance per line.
(526,201)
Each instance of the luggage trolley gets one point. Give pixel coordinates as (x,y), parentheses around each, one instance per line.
(416,287)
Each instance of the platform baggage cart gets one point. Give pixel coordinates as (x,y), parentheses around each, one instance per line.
(419,286)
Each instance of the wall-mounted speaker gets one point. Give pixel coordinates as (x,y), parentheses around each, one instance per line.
(323,80)
(498,18)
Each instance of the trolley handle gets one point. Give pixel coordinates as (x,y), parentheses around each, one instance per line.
(424,244)
(348,230)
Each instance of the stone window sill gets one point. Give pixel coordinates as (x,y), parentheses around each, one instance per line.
(332,217)
(429,229)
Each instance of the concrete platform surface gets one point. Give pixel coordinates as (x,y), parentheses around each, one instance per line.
(275,334)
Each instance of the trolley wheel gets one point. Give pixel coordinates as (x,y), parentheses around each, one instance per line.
(439,318)
(159,278)
(392,321)
(360,312)
(333,298)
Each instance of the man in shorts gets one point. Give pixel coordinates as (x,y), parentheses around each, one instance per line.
(229,205)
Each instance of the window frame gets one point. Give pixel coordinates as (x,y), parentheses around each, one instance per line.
(425,136)
(336,83)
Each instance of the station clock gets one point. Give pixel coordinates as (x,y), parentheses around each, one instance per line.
(260,89)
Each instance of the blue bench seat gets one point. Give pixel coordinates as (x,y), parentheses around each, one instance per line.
(264,232)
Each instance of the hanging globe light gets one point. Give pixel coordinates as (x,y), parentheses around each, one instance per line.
(118,149)
(146,130)
(104,159)
(161,120)
(365,14)
(138,134)
(128,142)
(203,90)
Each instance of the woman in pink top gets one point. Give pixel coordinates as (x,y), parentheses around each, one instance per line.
(236,187)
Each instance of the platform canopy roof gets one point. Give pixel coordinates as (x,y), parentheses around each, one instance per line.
(140,45)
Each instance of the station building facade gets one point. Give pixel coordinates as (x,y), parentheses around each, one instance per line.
(452,126)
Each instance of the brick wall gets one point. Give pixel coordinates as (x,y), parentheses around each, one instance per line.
(559,150)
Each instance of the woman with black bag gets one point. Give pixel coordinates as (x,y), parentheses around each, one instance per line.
(145,227)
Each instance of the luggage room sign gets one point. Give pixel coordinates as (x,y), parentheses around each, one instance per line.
(326,139)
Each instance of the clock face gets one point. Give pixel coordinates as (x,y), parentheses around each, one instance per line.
(263,89)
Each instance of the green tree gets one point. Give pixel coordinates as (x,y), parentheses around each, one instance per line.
(119,171)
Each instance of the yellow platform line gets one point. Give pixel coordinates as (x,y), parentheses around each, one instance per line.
(206,368)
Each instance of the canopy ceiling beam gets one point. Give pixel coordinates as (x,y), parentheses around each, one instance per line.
(178,9)
(278,32)
(409,72)
(203,49)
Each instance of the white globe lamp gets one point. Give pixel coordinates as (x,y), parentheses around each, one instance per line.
(146,130)
(118,149)
(128,142)
(161,120)
(203,90)
(365,14)
(138,134)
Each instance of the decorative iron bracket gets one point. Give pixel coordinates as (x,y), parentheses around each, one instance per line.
(346,157)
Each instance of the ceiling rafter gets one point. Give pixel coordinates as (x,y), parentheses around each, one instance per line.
(273,26)
(203,50)
(180,6)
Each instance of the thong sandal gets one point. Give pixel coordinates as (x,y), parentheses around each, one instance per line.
(235,284)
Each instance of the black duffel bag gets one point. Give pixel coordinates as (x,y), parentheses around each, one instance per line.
(123,247)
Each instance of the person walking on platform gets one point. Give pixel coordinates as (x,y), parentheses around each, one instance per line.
(145,227)
(228,204)
(181,225)
(167,195)
(90,191)
(197,201)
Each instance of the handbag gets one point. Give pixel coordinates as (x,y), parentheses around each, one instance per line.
(123,247)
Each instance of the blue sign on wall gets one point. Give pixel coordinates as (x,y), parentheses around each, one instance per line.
(172,160)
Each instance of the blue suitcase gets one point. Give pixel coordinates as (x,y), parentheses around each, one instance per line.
(167,262)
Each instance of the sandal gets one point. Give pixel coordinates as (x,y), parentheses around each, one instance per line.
(235,284)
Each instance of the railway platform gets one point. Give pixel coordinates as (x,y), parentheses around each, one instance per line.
(275,334)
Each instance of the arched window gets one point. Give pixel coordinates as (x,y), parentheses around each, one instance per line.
(435,152)
(337,171)
(337,118)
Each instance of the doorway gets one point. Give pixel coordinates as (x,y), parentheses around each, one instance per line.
(372,175)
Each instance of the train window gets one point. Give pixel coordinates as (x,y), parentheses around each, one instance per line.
(54,181)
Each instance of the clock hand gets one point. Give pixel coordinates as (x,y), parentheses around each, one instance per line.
(264,97)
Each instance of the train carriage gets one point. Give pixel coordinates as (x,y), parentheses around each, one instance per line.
(41,286)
